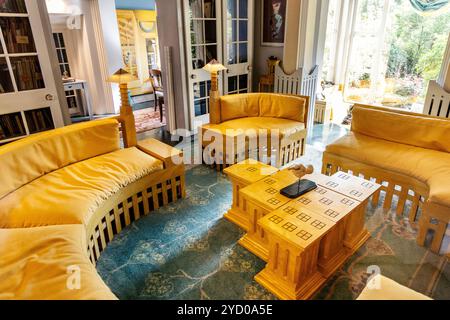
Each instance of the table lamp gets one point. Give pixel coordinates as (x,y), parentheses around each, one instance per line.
(122,77)
(214,67)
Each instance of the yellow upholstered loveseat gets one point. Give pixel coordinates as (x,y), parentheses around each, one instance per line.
(64,194)
(232,117)
(410,154)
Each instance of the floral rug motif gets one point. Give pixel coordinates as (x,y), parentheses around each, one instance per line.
(187,250)
(148,119)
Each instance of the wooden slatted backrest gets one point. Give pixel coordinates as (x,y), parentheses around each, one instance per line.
(437,102)
(288,83)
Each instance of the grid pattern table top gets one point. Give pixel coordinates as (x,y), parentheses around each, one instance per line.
(304,220)
(266,192)
(346,184)
(301,229)
(250,171)
(328,203)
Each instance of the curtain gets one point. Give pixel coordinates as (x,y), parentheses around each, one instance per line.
(429,6)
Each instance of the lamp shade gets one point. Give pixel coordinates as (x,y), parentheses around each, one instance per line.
(214,66)
(121,76)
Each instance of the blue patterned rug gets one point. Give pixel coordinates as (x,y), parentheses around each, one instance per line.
(188,251)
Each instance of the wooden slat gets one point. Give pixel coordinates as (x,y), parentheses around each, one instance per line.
(173,183)
(183,186)
(117,219)
(164,193)
(136,211)
(155,197)
(126,212)
(389,194)
(96,248)
(109,226)
(414,208)
(101,231)
(91,254)
(376,196)
(145,201)
(402,200)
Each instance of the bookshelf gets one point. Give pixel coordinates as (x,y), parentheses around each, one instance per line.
(27,86)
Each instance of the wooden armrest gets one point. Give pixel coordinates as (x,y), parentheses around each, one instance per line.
(169,155)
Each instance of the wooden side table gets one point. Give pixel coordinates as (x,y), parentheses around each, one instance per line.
(294,235)
(258,200)
(241,175)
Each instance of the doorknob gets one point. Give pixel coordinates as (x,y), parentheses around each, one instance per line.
(228,71)
(49,97)
(249,68)
(193,76)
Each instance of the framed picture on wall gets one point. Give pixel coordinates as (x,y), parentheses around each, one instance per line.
(273,22)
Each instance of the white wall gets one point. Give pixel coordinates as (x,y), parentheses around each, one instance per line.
(94,50)
(261,54)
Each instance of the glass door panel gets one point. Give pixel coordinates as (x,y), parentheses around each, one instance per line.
(27,73)
(238,30)
(27,82)
(204,44)
(17,35)
(13,6)
(6,84)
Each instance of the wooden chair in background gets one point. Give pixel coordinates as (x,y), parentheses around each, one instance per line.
(158,90)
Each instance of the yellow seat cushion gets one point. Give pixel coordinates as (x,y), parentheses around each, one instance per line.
(237,106)
(285,126)
(429,166)
(390,290)
(262,105)
(30,158)
(38,263)
(282,106)
(401,127)
(72,194)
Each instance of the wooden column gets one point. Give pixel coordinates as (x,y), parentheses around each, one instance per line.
(214,100)
(127,118)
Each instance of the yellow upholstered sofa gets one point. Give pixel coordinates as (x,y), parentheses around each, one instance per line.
(410,154)
(234,118)
(64,194)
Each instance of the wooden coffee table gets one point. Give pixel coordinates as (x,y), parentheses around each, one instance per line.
(259,199)
(294,239)
(304,240)
(241,175)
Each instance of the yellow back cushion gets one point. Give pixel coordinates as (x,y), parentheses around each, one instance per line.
(262,105)
(237,106)
(282,106)
(26,160)
(401,127)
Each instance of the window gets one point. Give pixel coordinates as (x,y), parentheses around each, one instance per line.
(384,52)
(62,54)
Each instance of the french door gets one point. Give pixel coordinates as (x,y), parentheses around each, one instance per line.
(28,95)
(238,49)
(221,30)
(203,28)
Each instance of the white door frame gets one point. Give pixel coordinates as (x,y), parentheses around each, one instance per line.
(51,96)
(237,68)
(199,75)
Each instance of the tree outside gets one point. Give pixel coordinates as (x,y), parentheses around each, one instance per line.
(395,70)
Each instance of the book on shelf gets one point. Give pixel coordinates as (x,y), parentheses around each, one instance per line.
(18,35)
(11,126)
(13,6)
(28,73)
